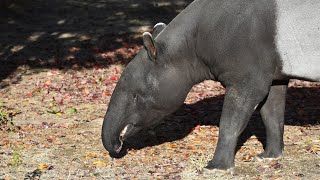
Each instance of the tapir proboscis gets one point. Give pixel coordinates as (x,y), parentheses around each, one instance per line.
(253,47)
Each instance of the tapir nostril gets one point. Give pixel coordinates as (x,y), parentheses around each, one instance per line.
(123,132)
(118,147)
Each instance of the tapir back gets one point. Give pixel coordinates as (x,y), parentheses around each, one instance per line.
(298,37)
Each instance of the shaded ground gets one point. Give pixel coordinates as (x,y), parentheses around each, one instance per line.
(71,34)
(59,67)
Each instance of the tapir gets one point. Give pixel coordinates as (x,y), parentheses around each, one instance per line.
(253,47)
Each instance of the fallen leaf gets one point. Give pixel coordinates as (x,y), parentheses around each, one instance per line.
(64,125)
(275,177)
(99,163)
(107,93)
(197,128)
(90,155)
(42,166)
(191,148)
(48,82)
(247,158)
(96,50)
(196,141)
(4,143)
(57,142)
(315,148)
(299,175)
(276,165)
(51,139)
(86,91)
(125,44)
(116,71)
(71,110)
(113,78)
(54,112)
(96,67)
(186,156)
(49,73)
(261,169)
(172,146)
(73,49)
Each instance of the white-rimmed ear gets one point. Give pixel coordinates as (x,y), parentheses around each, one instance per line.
(150,45)
(158,28)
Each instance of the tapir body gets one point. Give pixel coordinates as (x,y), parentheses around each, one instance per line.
(253,47)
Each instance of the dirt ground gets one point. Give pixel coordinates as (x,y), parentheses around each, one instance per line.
(59,67)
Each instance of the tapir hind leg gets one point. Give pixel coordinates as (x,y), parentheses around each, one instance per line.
(272,113)
(239,104)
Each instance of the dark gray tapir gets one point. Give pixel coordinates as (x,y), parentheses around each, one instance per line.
(253,47)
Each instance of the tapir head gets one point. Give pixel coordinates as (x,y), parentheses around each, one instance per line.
(150,88)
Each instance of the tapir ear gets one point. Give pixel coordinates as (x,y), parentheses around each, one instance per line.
(158,28)
(150,45)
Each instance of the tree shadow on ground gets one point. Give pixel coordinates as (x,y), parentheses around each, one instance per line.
(301,110)
(67,33)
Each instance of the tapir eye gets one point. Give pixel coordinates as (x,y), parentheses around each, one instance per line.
(135,98)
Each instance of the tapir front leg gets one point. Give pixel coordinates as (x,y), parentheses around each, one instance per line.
(272,113)
(239,104)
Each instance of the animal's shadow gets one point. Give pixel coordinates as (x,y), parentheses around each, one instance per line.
(301,110)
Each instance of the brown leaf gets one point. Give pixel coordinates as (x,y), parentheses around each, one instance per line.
(247,158)
(86,91)
(116,71)
(186,155)
(4,142)
(50,139)
(107,93)
(172,146)
(191,148)
(113,78)
(197,128)
(64,125)
(275,177)
(276,165)
(48,82)
(57,142)
(74,49)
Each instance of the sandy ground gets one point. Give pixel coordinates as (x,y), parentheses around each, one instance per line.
(68,146)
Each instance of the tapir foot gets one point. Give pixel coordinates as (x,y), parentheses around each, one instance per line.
(265,156)
(217,168)
(218,172)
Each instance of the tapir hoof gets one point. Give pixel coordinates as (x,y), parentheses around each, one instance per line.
(218,172)
(264,157)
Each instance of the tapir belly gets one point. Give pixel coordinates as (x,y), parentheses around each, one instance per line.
(298,38)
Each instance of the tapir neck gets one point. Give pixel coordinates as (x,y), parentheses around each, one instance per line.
(179,42)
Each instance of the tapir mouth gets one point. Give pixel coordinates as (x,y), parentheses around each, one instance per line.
(127,130)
